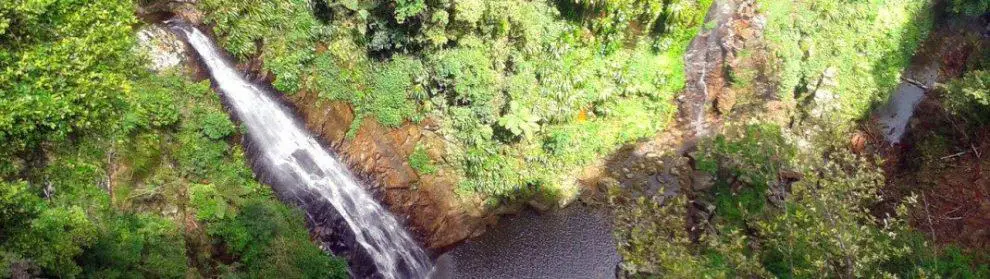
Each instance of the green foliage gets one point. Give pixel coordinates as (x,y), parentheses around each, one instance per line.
(955,263)
(420,161)
(653,239)
(283,29)
(469,78)
(271,241)
(408,8)
(199,154)
(391,88)
(969,96)
(618,20)
(54,238)
(134,246)
(153,106)
(210,206)
(18,206)
(781,212)
(520,121)
(755,157)
(867,43)
(116,191)
(63,68)
(382,90)
(216,125)
(498,77)
(970,7)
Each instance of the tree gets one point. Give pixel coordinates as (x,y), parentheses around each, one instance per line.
(969,96)
(17,207)
(63,68)
(133,246)
(54,239)
(970,7)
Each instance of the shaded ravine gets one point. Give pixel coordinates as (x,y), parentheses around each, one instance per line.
(301,171)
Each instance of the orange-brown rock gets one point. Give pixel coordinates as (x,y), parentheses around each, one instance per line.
(857,142)
(436,215)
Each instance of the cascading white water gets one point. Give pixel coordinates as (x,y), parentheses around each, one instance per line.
(291,152)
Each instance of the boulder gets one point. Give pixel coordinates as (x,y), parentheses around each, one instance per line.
(164,50)
(701,181)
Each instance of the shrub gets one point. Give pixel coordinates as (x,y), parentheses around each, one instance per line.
(421,162)
(18,205)
(63,70)
(867,44)
(466,74)
(969,7)
(389,99)
(210,206)
(197,155)
(408,8)
(464,62)
(131,246)
(54,238)
(271,240)
(969,96)
(217,125)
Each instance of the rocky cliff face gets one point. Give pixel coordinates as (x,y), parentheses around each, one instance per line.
(435,214)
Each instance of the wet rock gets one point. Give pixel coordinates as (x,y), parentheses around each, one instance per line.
(789,175)
(539,205)
(702,181)
(163,48)
(824,100)
(435,214)
(726,100)
(159,10)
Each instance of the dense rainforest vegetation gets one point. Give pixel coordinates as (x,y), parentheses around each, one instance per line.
(112,169)
(524,92)
(794,200)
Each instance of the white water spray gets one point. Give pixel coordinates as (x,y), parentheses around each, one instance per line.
(291,152)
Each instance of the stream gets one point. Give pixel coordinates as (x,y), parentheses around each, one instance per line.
(894,116)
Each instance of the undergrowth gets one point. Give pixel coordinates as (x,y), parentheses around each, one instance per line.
(504,79)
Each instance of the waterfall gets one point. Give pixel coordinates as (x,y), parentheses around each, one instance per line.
(290,153)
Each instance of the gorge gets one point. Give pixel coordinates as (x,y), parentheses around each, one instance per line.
(298,168)
(494,139)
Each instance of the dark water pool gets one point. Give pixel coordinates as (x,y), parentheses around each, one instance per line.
(575,242)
